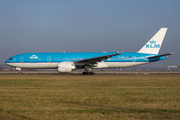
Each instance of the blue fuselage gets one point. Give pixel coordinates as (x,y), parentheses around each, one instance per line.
(50,58)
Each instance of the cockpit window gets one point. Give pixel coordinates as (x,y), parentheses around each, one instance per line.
(10,58)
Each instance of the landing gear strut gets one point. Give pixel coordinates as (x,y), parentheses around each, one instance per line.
(88,71)
(20,73)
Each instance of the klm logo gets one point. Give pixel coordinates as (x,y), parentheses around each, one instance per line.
(152,44)
(33,57)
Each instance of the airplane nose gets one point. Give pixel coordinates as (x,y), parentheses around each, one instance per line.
(6,62)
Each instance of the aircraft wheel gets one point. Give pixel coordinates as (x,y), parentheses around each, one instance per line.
(91,73)
(20,73)
(84,73)
(88,73)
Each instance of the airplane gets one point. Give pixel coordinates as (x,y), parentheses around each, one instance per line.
(67,62)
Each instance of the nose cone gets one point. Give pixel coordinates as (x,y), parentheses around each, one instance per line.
(8,62)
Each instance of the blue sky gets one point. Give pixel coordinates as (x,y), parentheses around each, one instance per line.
(87,26)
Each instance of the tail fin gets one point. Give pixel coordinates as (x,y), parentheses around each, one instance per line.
(154,44)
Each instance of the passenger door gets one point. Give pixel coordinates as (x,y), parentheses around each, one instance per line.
(21,59)
(49,59)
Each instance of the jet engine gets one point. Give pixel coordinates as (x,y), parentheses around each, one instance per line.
(66,67)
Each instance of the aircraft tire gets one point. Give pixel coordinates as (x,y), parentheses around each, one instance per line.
(87,73)
(91,73)
(84,73)
(20,73)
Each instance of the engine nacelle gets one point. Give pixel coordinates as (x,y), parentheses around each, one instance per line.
(66,67)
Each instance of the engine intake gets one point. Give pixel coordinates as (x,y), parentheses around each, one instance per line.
(66,67)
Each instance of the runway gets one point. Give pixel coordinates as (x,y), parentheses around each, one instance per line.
(96,72)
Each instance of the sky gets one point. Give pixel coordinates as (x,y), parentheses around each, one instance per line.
(88,26)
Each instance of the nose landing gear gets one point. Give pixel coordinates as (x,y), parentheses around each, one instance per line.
(20,72)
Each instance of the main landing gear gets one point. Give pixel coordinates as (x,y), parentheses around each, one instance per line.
(88,71)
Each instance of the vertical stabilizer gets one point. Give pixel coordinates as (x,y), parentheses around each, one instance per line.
(154,44)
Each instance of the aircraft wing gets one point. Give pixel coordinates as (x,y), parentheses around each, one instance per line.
(96,59)
(157,56)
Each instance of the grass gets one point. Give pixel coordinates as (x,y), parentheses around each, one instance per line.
(56,97)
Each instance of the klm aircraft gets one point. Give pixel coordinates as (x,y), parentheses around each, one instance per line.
(67,62)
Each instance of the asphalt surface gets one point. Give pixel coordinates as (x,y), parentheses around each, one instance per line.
(96,72)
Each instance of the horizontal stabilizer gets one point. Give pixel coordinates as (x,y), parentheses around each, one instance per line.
(157,56)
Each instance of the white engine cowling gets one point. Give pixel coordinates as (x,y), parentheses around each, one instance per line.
(66,67)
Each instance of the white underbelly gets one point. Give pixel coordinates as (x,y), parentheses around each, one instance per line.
(123,64)
(34,65)
(55,65)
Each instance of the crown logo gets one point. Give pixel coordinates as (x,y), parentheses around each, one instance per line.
(33,57)
(152,42)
